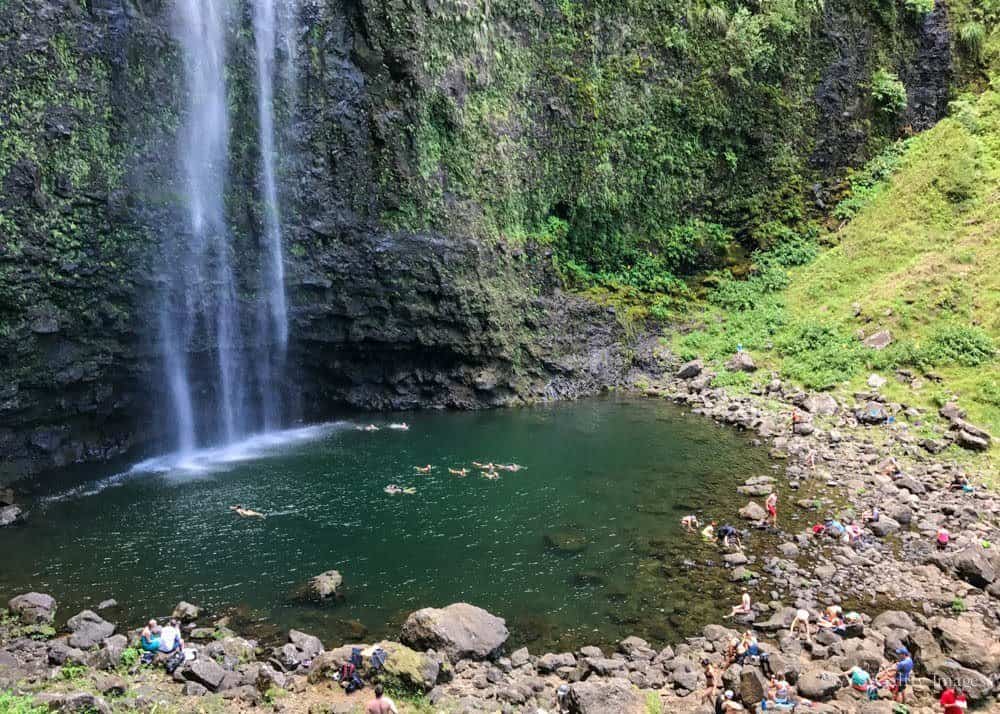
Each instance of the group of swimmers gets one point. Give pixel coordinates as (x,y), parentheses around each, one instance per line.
(488,471)
(729,536)
(401,426)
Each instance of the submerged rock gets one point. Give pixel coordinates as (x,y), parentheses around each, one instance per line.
(461,631)
(186,612)
(566,541)
(10,515)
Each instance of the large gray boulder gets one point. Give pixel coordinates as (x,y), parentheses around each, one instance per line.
(205,672)
(603,696)
(966,641)
(691,369)
(461,631)
(33,608)
(820,403)
(972,564)
(417,670)
(186,612)
(89,629)
(818,684)
(947,672)
(753,511)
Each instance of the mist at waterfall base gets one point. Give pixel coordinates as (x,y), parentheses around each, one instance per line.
(202,316)
(583,546)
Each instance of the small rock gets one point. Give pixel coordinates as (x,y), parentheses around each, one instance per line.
(186,612)
(878,340)
(876,381)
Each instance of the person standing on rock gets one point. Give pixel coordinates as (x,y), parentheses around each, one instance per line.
(380,704)
(900,672)
(952,702)
(711,681)
(772,509)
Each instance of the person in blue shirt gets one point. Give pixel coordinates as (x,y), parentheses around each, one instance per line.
(901,672)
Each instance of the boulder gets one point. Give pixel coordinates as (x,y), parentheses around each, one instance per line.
(10,515)
(636,648)
(820,404)
(741,362)
(80,702)
(566,541)
(894,620)
(461,631)
(612,696)
(753,512)
(753,685)
(876,381)
(818,684)
(107,604)
(963,640)
(946,671)
(326,585)
(186,612)
(871,413)
(205,672)
(6,497)
(884,526)
(416,670)
(89,629)
(971,563)
(966,439)
(691,369)
(878,340)
(551,662)
(110,684)
(308,645)
(60,653)
(328,663)
(33,608)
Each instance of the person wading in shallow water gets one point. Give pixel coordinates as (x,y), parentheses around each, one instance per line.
(380,704)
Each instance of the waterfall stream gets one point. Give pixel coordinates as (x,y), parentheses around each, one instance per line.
(200,311)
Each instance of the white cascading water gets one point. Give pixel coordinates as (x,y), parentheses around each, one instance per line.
(199,310)
(268,16)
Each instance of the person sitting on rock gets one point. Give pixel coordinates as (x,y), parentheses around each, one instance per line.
(381,704)
(170,638)
(860,680)
(943,538)
(779,692)
(744,608)
(889,467)
(831,619)
(800,621)
(690,523)
(149,639)
(708,533)
(726,703)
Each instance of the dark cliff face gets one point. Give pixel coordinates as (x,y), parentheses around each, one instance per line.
(420,134)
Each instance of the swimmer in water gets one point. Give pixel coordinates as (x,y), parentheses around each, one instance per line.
(491,475)
(484,467)
(392,489)
(459,472)
(409,491)
(370,427)
(690,523)
(400,427)
(424,469)
(513,468)
(246,512)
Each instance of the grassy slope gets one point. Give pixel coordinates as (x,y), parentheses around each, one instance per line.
(923,253)
(916,259)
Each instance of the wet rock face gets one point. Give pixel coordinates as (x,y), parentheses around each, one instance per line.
(461,631)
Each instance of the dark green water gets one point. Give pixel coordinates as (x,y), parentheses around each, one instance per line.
(616,475)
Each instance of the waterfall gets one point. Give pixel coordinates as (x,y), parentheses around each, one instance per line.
(199,308)
(272,309)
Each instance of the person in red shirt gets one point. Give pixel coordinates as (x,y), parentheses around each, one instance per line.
(953,703)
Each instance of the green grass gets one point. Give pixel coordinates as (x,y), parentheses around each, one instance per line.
(918,255)
(11,703)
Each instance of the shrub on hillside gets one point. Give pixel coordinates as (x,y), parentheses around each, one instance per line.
(960,344)
(888,92)
(819,356)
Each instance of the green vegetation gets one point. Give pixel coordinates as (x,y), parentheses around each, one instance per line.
(11,703)
(888,92)
(129,658)
(917,257)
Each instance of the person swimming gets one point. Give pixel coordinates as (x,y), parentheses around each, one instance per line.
(424,469)
(459,472)
(392,489)
(369,427)
(401,426)
(409,490)
(246,512)
(491,475)
(513,468)
(484,467)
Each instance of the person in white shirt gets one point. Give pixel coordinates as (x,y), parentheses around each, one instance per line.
(170,637)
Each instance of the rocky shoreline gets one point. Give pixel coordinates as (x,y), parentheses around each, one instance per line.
(943,605)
